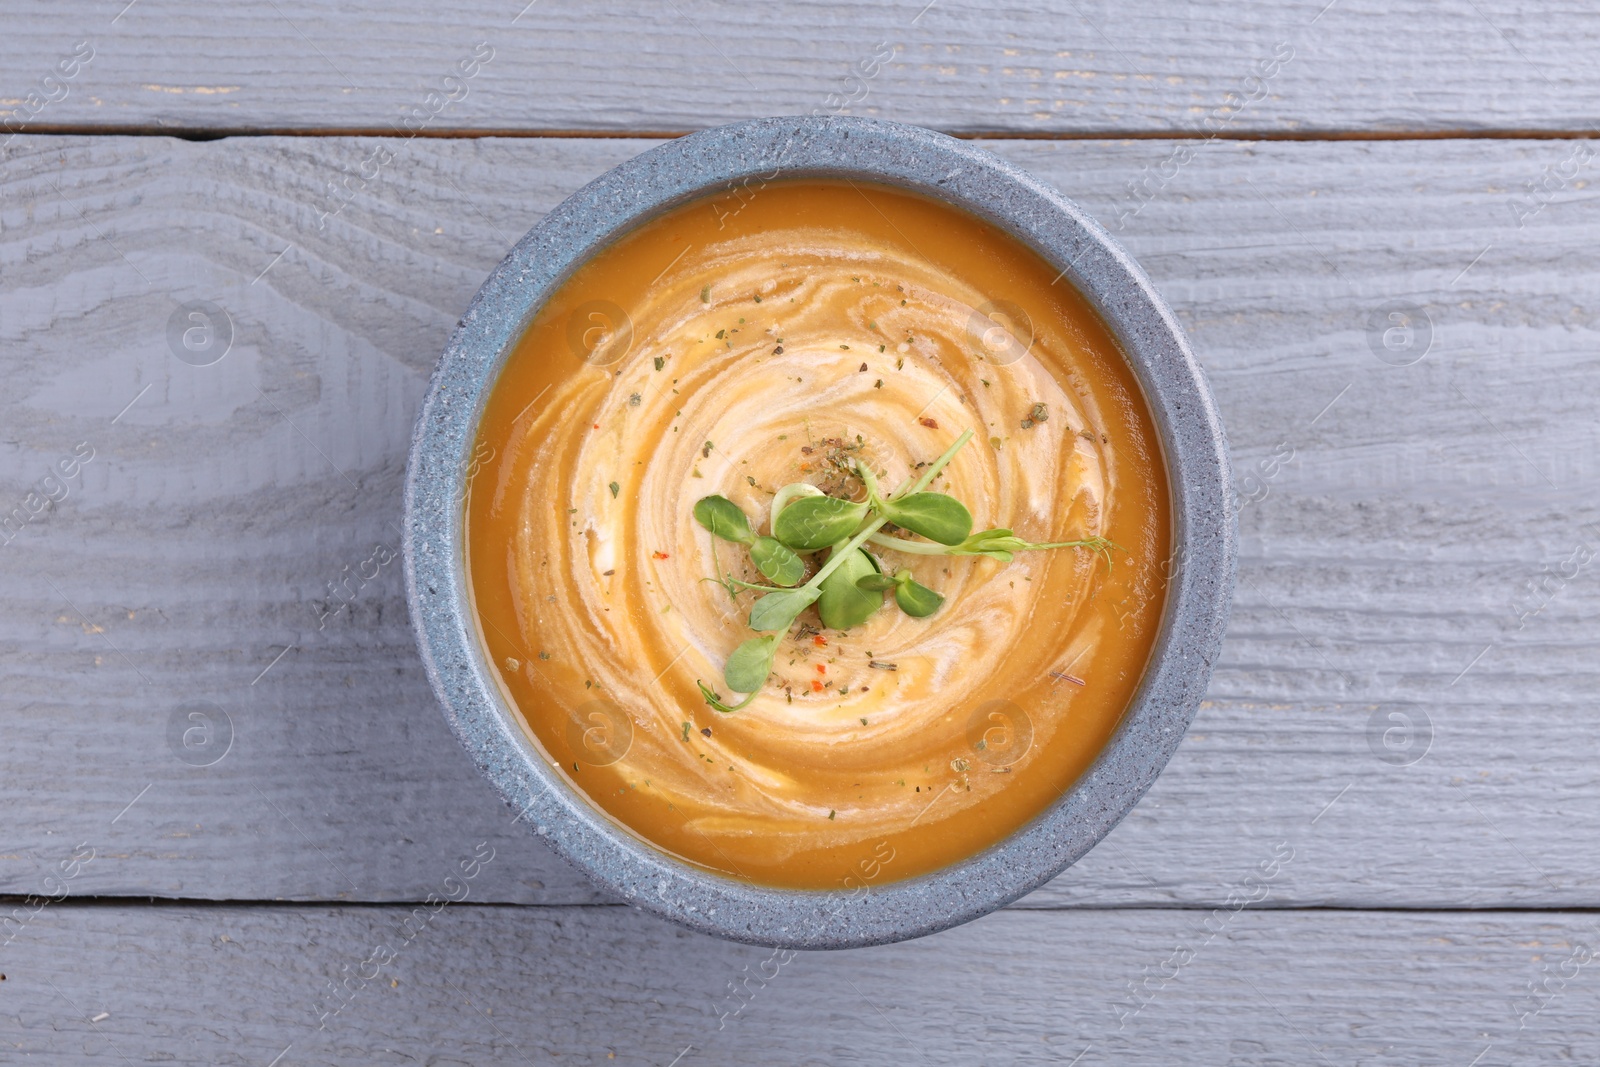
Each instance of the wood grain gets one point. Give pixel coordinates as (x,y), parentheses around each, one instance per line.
(471,985)
(1385,562)
(1095,66)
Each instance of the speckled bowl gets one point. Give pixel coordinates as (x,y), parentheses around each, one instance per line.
(959,173)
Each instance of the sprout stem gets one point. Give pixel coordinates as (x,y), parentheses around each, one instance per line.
(836,560)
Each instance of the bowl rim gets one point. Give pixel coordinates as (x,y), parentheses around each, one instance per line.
(742,156)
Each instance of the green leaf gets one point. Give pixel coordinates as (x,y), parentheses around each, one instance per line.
(997,544)
(916,599)
(789,494)
(723,518)
(714,698)
(935,516)
(750,663)
(814,522)
(843,602)
(877,583)
(1002,544)
(776,560)
(777,611)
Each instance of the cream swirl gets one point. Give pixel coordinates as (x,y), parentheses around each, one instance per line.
(747,363)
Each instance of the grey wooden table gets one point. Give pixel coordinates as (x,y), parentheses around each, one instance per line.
(226,795)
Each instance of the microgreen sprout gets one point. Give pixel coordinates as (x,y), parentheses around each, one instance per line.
(848,587)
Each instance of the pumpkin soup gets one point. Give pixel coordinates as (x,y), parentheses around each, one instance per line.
(822,534)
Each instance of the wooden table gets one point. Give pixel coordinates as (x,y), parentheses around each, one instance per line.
(224,800)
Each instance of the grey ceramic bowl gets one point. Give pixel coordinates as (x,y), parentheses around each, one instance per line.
(950,170)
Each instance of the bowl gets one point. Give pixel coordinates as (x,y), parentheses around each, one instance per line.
(742,156)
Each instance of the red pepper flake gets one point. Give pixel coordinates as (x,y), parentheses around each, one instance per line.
(822,668)
(820,641)
(929,423)
(597,425)
(658,555)
(816,686)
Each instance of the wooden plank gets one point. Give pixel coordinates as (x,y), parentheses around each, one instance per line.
(1386,564)
(242,985)
(957,65)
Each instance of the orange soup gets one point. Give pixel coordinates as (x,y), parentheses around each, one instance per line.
(819,325)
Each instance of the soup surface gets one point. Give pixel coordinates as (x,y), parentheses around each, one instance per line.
(736,345)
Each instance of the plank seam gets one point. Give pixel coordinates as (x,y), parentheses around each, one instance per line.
(9,900)
(217,133)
